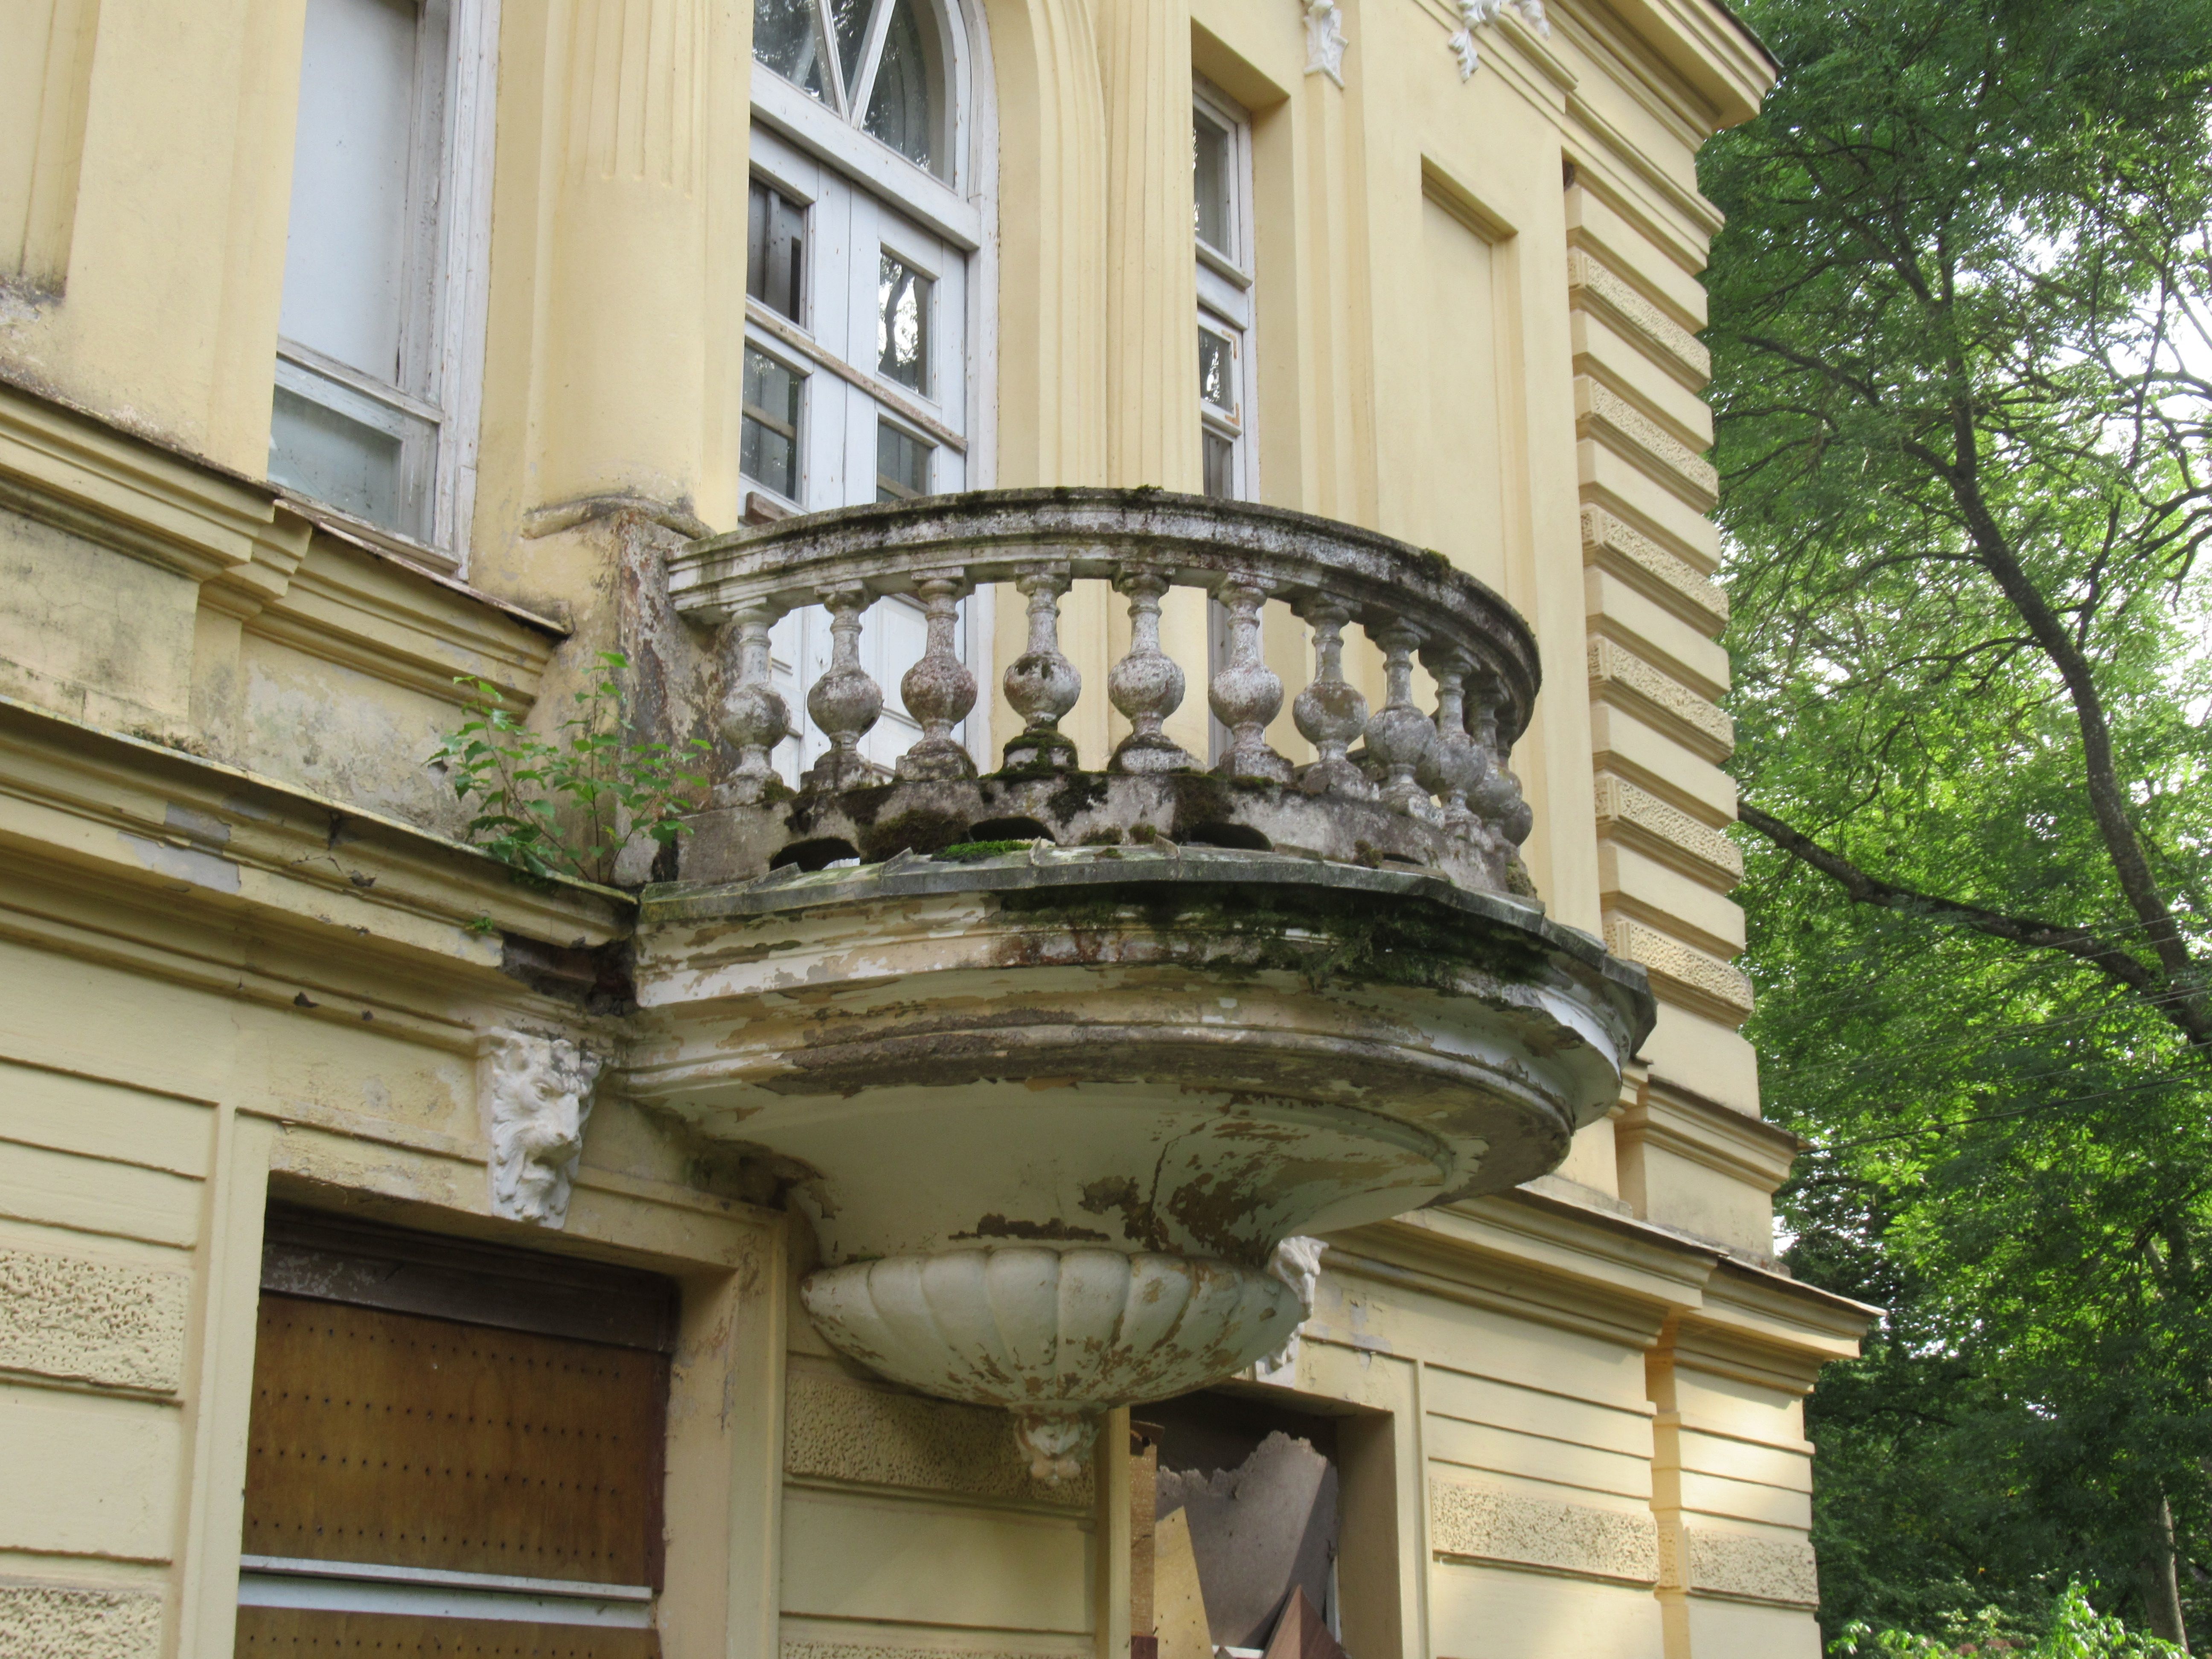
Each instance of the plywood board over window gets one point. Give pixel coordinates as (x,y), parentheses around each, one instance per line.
(454,1449)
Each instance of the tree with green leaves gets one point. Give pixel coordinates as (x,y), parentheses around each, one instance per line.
(1963,385)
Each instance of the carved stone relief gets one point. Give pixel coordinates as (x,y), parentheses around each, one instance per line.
(1298,1264)
(1324,38)
(1473,14)
(536,1091)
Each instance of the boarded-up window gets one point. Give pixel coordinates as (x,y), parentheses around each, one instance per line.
(454,1449)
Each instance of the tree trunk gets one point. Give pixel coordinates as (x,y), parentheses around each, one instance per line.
(2162,1580)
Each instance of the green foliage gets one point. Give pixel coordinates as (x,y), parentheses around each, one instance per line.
(1959,359)
(2076,1630)
(564,805)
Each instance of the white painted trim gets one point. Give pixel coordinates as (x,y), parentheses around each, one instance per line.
(466,275)
(431,1595)
(822,133)
(294,1566)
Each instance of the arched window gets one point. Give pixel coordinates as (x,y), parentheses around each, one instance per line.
(860,311)
(879,64)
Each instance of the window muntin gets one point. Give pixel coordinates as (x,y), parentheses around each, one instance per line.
(885,74)
(376,348)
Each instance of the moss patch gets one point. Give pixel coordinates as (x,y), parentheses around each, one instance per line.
(1327,937)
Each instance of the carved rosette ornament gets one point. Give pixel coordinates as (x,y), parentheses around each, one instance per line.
(535,1095)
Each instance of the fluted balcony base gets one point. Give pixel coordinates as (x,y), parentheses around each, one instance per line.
(1055,1336)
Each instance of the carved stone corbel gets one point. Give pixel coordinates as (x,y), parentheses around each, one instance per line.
(1298,1264)
(1324,38)
(534,1093)
(1473,14)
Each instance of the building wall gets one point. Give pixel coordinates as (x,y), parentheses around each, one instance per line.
(240,960)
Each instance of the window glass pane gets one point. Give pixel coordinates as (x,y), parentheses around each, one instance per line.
(357,466)
(1219,460)
(901,110)
(767,436)
(775,251)
(345,256)
(850,18)
(901,464)
(1210,154)
(786,39)
(1217,370)
(903,323)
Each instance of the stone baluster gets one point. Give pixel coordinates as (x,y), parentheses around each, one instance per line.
(938,690)
(1042,684)
(1399,736)
(1496,798)
(1330,712)
(1145,685)
(845,701)
(1455,764)
(755,718)
(1246,694)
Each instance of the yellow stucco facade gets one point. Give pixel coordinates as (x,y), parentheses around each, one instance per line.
(246,962)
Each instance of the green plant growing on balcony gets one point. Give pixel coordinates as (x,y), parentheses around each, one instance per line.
(564,805)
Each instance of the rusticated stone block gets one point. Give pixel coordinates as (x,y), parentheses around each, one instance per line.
(837,1430)
(52,1621)
(92,1321)
(1488,1523)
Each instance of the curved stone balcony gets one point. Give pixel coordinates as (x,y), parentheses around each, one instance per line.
(1054,1061)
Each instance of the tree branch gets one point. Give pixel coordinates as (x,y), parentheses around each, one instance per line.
(2184,1012)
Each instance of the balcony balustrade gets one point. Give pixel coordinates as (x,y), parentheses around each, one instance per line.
(1054,1060)
(1395,784)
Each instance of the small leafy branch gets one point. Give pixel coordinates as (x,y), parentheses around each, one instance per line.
(2077,1631)
(564,804)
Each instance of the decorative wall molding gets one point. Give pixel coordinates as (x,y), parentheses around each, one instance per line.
(1677,968)
(1609,416)
(51,1621)
(1708,727)
(1609,540)
(1324,38)
(1741,1564)
(101,1322)
(1621,804)
(1488,1523)
(1589,279)
(1473,14)
(537,1098)
(839,1430)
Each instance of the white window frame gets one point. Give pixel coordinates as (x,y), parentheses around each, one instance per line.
(928,220)
(1226,279)
(442,334)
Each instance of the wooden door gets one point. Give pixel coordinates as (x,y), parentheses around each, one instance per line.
(451,1452)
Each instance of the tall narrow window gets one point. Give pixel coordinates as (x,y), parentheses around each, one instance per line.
(858,385)
(1221,193)
(373,331)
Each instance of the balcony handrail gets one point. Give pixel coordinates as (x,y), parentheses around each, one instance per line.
(1445,768)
